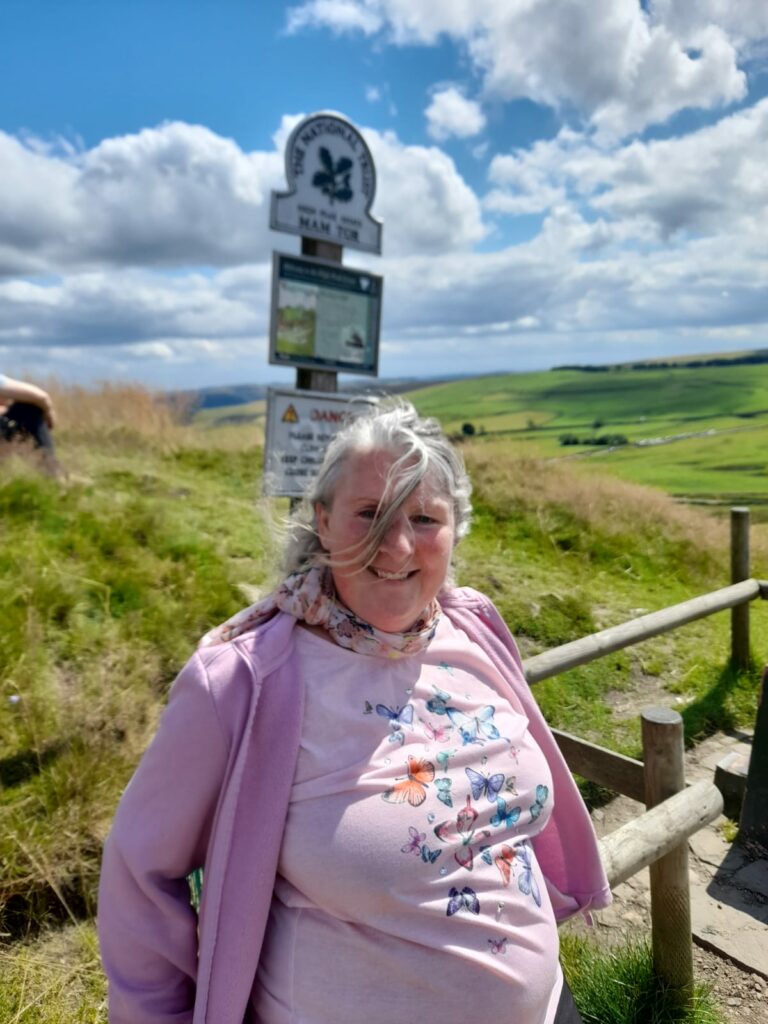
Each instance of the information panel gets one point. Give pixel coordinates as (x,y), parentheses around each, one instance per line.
(300,426)
(324,316)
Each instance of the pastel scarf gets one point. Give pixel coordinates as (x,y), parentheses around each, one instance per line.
(310,596)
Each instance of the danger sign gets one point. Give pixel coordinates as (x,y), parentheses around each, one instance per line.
(300,426)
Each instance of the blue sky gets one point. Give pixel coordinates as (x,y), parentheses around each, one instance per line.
(560,181)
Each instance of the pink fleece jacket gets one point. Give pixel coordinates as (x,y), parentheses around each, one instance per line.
(205,794)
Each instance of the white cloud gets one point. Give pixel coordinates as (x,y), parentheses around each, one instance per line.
(339,15)
(424,202)
(620,67)
(372,93)
(180,195)
(450,113)
(712,182)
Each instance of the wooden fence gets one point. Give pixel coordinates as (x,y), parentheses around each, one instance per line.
(658,838)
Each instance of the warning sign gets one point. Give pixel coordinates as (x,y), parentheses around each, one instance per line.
(300,426)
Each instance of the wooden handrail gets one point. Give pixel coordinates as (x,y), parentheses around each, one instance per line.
(579,652)
(615,771)
(656,832)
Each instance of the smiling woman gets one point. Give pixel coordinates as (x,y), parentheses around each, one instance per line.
(356,762)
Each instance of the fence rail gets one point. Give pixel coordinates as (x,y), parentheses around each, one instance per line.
(597,645)
(675,811)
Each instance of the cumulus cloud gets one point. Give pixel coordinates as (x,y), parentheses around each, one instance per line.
(181,195)
(709,183)
(450,113)
(619,66)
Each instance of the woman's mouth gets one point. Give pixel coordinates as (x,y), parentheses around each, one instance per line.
(383,575)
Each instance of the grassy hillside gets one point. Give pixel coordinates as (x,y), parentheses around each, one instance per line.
(713,422)
(106,585)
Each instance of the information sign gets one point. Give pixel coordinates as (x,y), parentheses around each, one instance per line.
(324,316)
(300,426)
(331,185)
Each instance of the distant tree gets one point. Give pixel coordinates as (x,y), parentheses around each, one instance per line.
(468,429)
(597,423)
(569,439)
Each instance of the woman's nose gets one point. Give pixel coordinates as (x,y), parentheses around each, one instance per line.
(398,540)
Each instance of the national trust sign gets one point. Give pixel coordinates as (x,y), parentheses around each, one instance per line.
(331,185)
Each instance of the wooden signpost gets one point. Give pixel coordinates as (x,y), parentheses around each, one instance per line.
(322,322)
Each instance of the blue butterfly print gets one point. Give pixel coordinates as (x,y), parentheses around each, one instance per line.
(503,816)
(470,725)
(480,784)
(429,856)
(542,792)
(438,704)
(444,791)
(485,853)
(526,879)
(464,900)
(444,757)
(397,718)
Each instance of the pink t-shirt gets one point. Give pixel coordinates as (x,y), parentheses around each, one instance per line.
(407,888)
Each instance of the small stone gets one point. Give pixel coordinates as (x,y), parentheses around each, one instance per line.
(733,1001)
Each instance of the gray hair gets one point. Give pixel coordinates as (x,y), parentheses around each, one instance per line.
(420,448)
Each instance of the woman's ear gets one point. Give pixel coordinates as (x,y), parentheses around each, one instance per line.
(321,519)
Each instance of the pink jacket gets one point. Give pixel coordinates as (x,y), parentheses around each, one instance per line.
(204,794)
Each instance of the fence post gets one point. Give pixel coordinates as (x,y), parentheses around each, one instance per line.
(753,826)
(740,571)
(662,731)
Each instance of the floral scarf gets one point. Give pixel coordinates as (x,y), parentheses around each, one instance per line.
(310,596)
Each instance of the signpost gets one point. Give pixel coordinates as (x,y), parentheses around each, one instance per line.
(325,317)
(300,425)
(332,184)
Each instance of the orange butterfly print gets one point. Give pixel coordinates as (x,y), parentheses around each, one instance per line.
(412,788)
(503,862)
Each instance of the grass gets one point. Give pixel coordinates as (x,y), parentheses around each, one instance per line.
(617,985)
(56,979)
(106,585)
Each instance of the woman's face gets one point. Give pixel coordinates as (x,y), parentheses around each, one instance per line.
(412,563)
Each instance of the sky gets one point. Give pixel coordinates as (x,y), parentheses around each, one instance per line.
(560,181)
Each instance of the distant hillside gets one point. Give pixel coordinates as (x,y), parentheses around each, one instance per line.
(748,358)
(223,396)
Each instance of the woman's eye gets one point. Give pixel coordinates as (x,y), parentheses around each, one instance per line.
(422,520)
(367,513)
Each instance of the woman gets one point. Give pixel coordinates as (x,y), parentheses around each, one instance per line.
(387,827)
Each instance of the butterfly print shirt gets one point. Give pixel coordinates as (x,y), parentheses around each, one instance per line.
(407,885)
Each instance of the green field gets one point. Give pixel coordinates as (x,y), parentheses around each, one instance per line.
(530,411)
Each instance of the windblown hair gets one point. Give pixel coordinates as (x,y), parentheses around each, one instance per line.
(420,449)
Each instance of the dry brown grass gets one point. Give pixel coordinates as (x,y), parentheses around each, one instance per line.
(114,415)
(600,502)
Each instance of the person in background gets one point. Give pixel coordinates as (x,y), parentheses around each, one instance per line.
(387,829)
(27,413)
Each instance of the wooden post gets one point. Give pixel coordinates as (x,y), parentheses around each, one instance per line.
(739,572)
(662,731)
(753,827)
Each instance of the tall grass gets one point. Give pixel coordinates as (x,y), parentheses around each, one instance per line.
(117,415)
(617,985)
